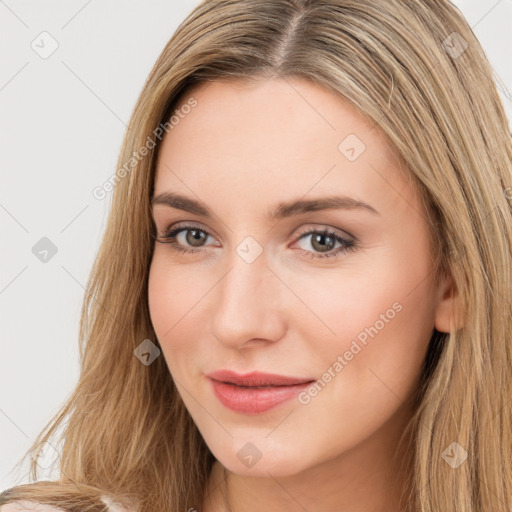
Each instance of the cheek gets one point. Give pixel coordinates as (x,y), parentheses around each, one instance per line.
(371,365)
(161,299)
(180,307)
(172,294)
(376,322)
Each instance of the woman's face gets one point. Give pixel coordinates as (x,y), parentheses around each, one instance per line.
(264,289)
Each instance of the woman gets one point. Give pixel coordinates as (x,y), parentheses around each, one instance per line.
(265,131)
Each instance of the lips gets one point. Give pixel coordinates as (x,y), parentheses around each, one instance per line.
(256,392)
(257,379)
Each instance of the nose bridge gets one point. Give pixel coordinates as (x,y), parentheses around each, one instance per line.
(247,300)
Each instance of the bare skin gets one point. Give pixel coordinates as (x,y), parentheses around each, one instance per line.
(243,150)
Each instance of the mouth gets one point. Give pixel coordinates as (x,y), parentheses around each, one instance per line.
(258,387)
(257,379)
(254,393)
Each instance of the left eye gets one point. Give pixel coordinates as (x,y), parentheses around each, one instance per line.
(325,241)
(322,240)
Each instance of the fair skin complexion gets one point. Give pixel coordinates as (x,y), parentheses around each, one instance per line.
(242,151)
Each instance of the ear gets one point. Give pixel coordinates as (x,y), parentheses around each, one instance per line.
(448,316)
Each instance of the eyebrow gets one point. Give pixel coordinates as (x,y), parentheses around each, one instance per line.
(283,210)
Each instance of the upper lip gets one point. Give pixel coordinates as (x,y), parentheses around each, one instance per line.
(256,378)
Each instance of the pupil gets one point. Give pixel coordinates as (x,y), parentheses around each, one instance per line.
(196,237)
(320,237)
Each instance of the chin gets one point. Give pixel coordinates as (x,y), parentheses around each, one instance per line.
(278,463)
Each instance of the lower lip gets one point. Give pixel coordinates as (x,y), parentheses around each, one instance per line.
(254,400)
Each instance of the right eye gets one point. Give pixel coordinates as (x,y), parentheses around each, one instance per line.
(170,236)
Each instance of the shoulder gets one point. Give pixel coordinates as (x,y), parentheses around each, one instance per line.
(32,506)
(113,506)
(26,506)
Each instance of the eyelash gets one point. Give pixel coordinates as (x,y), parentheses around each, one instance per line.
(169,237)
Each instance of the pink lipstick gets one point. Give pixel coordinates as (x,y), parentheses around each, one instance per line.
(255,392)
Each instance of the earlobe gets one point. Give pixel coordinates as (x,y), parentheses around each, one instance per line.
(448,317)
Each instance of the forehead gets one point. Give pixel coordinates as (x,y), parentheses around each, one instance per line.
(274,138)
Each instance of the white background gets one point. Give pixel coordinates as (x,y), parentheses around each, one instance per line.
(62,122)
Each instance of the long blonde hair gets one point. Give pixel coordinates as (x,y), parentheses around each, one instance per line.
(415,69)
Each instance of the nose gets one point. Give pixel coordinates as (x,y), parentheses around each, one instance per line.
(250,305)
